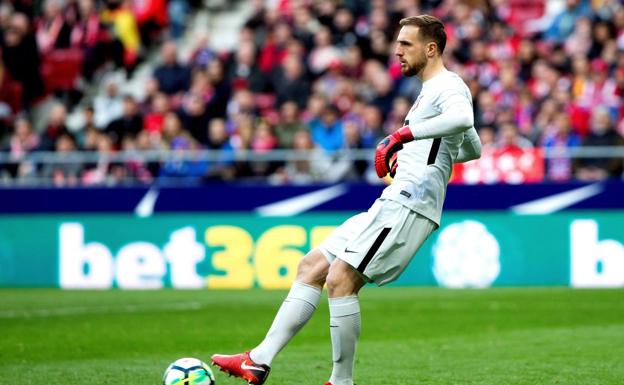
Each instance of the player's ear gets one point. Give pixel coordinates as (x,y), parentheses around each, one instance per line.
(432,49)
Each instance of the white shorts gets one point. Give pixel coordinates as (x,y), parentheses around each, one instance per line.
(379,243)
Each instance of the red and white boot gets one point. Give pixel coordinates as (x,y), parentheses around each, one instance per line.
(242,366)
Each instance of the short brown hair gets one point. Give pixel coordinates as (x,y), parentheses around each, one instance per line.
(430,29)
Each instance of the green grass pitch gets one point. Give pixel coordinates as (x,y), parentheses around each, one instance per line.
(409,336)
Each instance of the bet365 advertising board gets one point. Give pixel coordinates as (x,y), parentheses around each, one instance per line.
(239,251)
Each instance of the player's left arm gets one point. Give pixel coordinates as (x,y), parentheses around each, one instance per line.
(470,148)
(456,116)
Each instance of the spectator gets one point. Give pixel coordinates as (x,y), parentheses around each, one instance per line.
(173,78)
(487,135)
(352,63)
(195,118)
(200,86)
(262,142)
(602,134)
(243,69)
(201,53)
(90,138)
(108,106)
(52,30)
(88,124)
(324,53)
(121,21)
(134,168)
(383,92)
(66,171)
(153,121)
(396,117)
(264,139)
(290,82)
(56,126)
(379,44)
(20,54)
(327,131)
(172,128)
(221,90)
(151,17)
(354,167)
(545,117)
(600,89)
(308,164)
(559,164)
(178,14)
(243,103)
(343,28)
(289,123)
(372,126)
(315,107)
(223,167)
(129,124)
(23,141)
(100,173)
(273,51)
(510,138)
(580,41)
(563,23)
(304,26)
(97,45)
(329,83)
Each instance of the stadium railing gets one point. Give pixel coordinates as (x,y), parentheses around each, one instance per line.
(39,159)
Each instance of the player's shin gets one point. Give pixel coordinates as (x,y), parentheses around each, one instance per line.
(344,323)
(294,313)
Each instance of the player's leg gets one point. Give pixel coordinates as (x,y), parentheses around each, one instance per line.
(343,285)
(378,253)
(294,313)
(296,309)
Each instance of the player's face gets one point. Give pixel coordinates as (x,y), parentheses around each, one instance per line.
(411,51)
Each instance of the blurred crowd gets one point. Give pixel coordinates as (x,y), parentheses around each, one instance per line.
(315,75)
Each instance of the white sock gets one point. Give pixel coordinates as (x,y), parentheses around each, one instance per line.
(294,313)
(344,326)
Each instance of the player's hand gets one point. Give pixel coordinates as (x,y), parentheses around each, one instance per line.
(393,163)
(387,149)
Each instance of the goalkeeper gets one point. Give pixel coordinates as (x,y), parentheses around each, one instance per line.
(377,245)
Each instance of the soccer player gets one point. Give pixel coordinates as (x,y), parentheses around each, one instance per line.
(377,245)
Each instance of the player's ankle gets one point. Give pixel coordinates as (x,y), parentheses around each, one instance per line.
(259,358)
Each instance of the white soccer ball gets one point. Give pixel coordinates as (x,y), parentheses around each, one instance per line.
(188,371)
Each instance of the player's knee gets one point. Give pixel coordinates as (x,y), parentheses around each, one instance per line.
(313,269)
(342,280)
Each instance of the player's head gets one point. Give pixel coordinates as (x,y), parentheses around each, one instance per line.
(421,39)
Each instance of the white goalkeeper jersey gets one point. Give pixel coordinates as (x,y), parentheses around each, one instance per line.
(439,119)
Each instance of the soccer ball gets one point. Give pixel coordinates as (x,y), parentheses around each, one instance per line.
(188,371)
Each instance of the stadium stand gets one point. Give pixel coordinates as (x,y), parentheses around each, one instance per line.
(302,76)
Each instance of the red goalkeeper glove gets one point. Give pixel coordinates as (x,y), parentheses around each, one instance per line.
(386,152)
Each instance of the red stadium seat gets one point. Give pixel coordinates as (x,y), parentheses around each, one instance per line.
(523,11)
(11,93)
(61,68)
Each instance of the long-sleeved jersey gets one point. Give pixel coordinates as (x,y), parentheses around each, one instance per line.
(441,121)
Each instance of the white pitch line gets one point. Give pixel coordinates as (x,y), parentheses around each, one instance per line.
(81,310)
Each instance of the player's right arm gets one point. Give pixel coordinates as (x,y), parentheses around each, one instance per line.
(456,117)
(470,148)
